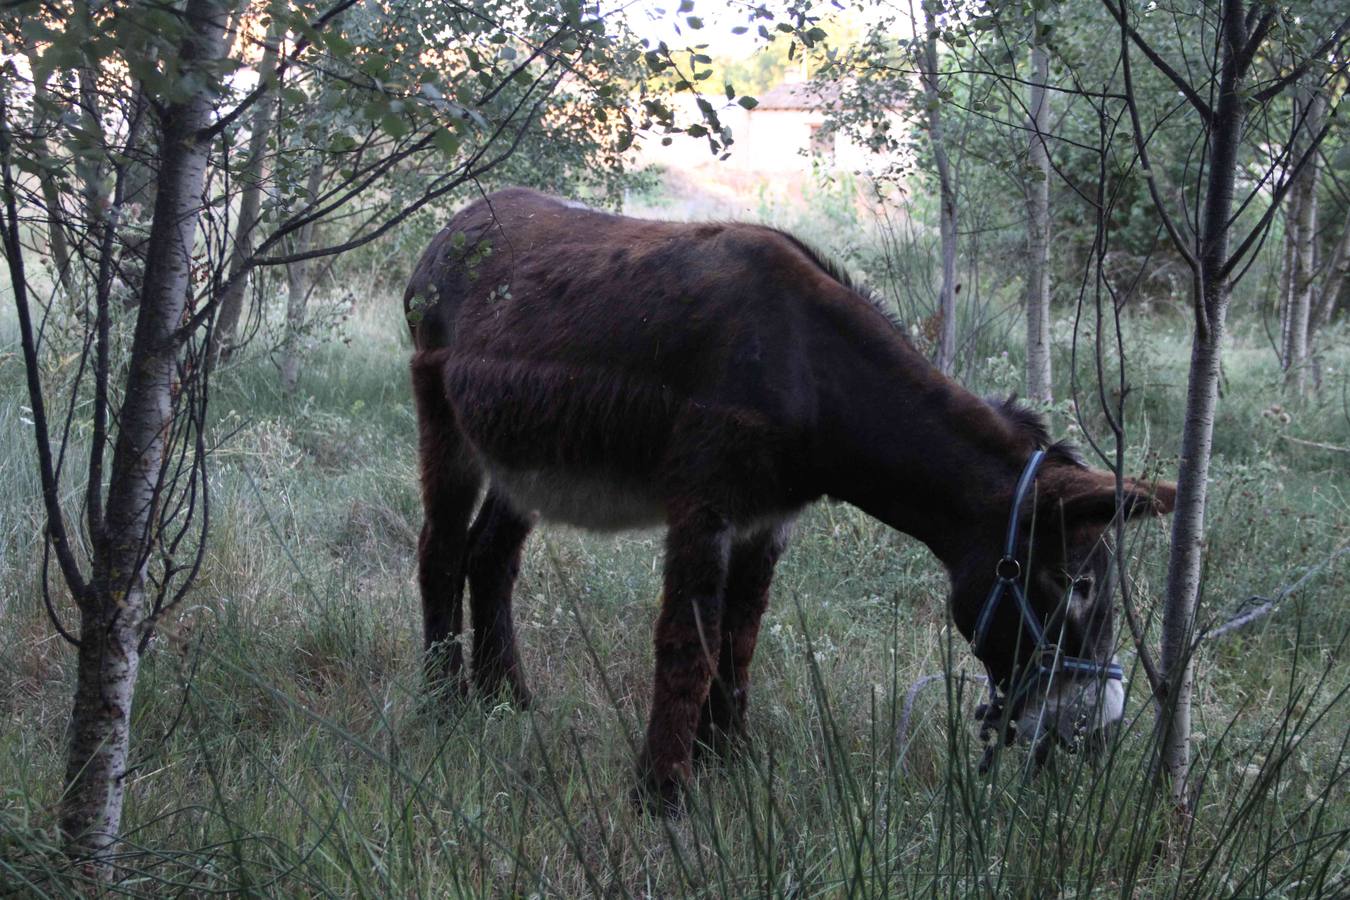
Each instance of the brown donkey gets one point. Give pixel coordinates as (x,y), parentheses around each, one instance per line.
(614,372)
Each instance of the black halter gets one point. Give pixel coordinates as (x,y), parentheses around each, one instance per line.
(1007,574)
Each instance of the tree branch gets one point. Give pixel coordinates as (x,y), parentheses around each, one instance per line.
(1277,197)
(56,524)
(1159,63)
(1271,90)
(1141,146)
(264,82)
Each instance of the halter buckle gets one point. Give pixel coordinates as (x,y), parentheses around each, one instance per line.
(1008,569)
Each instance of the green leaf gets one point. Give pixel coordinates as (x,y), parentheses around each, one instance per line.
(747,102)
(446,141)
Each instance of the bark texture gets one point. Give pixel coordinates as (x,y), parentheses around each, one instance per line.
(1038,226)
(112,616)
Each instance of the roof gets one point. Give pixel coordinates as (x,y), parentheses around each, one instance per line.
(802,95)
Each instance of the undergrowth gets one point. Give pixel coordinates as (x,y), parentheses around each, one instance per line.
(284,744)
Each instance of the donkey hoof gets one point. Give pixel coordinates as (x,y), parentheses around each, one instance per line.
(719,745)
(660,798)
(448,692)
(506,690)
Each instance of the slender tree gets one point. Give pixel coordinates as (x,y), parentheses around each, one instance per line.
(113,600)
(298,288)
(1239,34)
(1038,222)
(250,199)
(937,139)
(1300,262)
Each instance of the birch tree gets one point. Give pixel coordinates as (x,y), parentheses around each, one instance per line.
(260,129)
(1333,282)
(932,89)
(113,602)
(1215,253)
(1299,262)
(299,285)
(1038,222)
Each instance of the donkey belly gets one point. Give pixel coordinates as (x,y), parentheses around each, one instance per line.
(578,444)
(581,499)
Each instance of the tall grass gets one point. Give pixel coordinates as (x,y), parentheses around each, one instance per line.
(284,745)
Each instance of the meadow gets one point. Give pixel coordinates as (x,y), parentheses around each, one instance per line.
(284,744)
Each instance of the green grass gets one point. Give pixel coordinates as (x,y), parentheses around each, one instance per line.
(283,744)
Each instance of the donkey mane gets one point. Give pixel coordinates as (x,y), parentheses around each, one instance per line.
(1025,421)
(832,268)
(1032,426)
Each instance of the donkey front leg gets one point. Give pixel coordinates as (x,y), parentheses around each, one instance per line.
(688,639)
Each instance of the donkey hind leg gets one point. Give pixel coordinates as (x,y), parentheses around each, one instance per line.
(450,484)
(688,641)
(495,543)
(722,719)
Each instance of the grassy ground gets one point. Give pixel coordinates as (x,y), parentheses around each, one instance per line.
(283,745)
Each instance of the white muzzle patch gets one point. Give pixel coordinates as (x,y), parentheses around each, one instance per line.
(1071,708)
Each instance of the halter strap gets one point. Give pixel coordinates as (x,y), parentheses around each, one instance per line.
(1007,579)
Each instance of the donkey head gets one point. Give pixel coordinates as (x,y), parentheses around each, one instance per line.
(1038,606)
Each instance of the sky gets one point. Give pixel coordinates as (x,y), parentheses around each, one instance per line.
(661,20)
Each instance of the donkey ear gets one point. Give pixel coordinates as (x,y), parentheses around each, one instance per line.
(1093,498)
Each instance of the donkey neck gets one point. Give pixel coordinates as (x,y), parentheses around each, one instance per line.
(912,448)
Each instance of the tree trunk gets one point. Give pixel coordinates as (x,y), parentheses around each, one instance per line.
(112,617)
(138,199)
(1329,293)
(1186,553)
(51,194)
(1038,227)
(1301,282)
(1288,256)
(232,303)
(946,356)
(297,291)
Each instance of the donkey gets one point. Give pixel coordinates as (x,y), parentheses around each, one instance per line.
(613,372)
